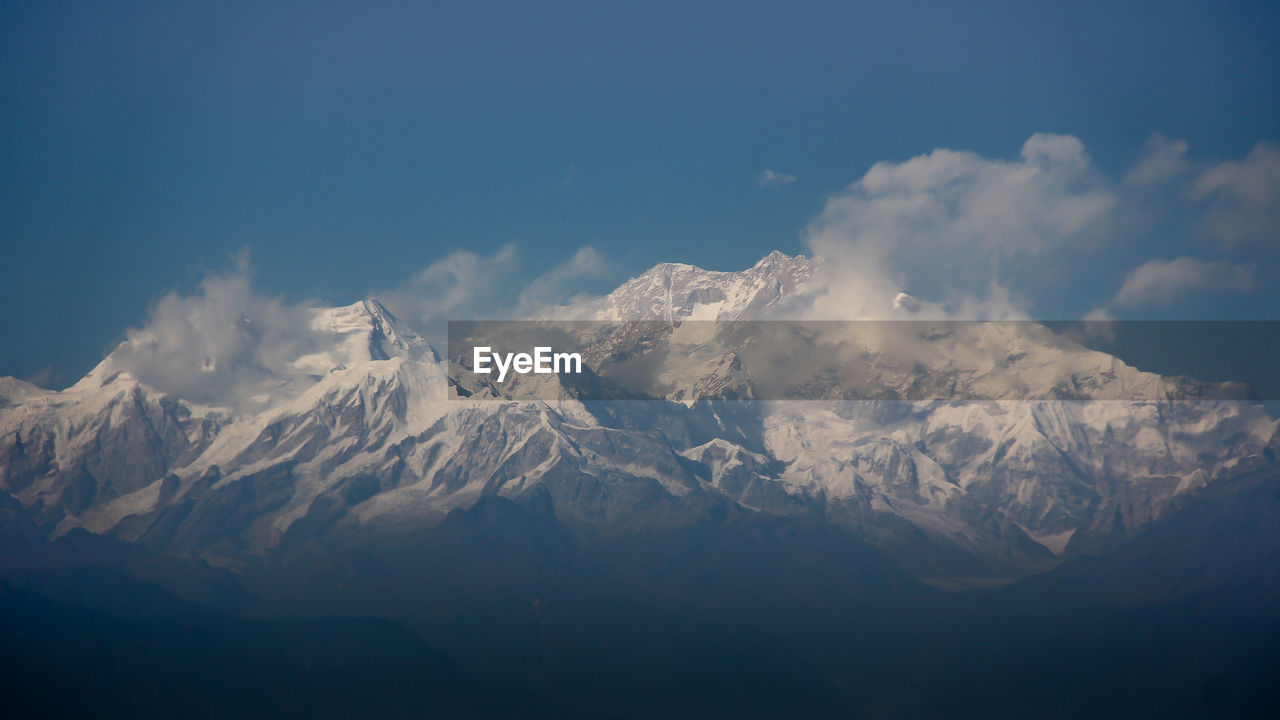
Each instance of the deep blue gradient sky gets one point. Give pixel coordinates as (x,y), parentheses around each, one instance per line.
(345,145)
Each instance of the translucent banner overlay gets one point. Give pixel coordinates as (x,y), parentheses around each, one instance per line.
(1141,361)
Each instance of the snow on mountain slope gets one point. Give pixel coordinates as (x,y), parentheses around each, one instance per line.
(366,436)
(110,446)
(973,472)
(674,291)
(356,432)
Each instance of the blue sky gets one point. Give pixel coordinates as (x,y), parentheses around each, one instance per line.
(347,147)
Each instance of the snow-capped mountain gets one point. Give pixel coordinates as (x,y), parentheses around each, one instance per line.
(674,291)
(362,430)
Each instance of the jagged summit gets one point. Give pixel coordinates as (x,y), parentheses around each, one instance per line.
(390,329)
(777,257)
(675,291)
(366,331)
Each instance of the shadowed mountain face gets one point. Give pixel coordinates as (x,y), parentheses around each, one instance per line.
(89,642)
(738,614)
(697,551)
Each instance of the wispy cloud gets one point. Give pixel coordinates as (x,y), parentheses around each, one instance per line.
(45,377)
(461,285)
(470,286)
(1164,160)
(1161,282)
(1244,197)
(769,178)
(563,284)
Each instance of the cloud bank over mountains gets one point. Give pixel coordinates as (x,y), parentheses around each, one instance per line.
(979,238)
(962,235)
(961,232)
(966,236)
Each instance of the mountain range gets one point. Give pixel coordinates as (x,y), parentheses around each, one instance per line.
(360,433)
(517,525)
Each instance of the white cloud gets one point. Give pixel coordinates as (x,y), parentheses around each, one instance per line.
(225,342)
(562,284)
(1161,282)
(966,236)
(222,342)
(468,286)
(769,178)
(1163,161)
(1244,197)
(462,286)
(963,233)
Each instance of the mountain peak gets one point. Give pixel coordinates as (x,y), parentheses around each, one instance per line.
(376,308)
(677,291)
(367,330)
(778,257)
